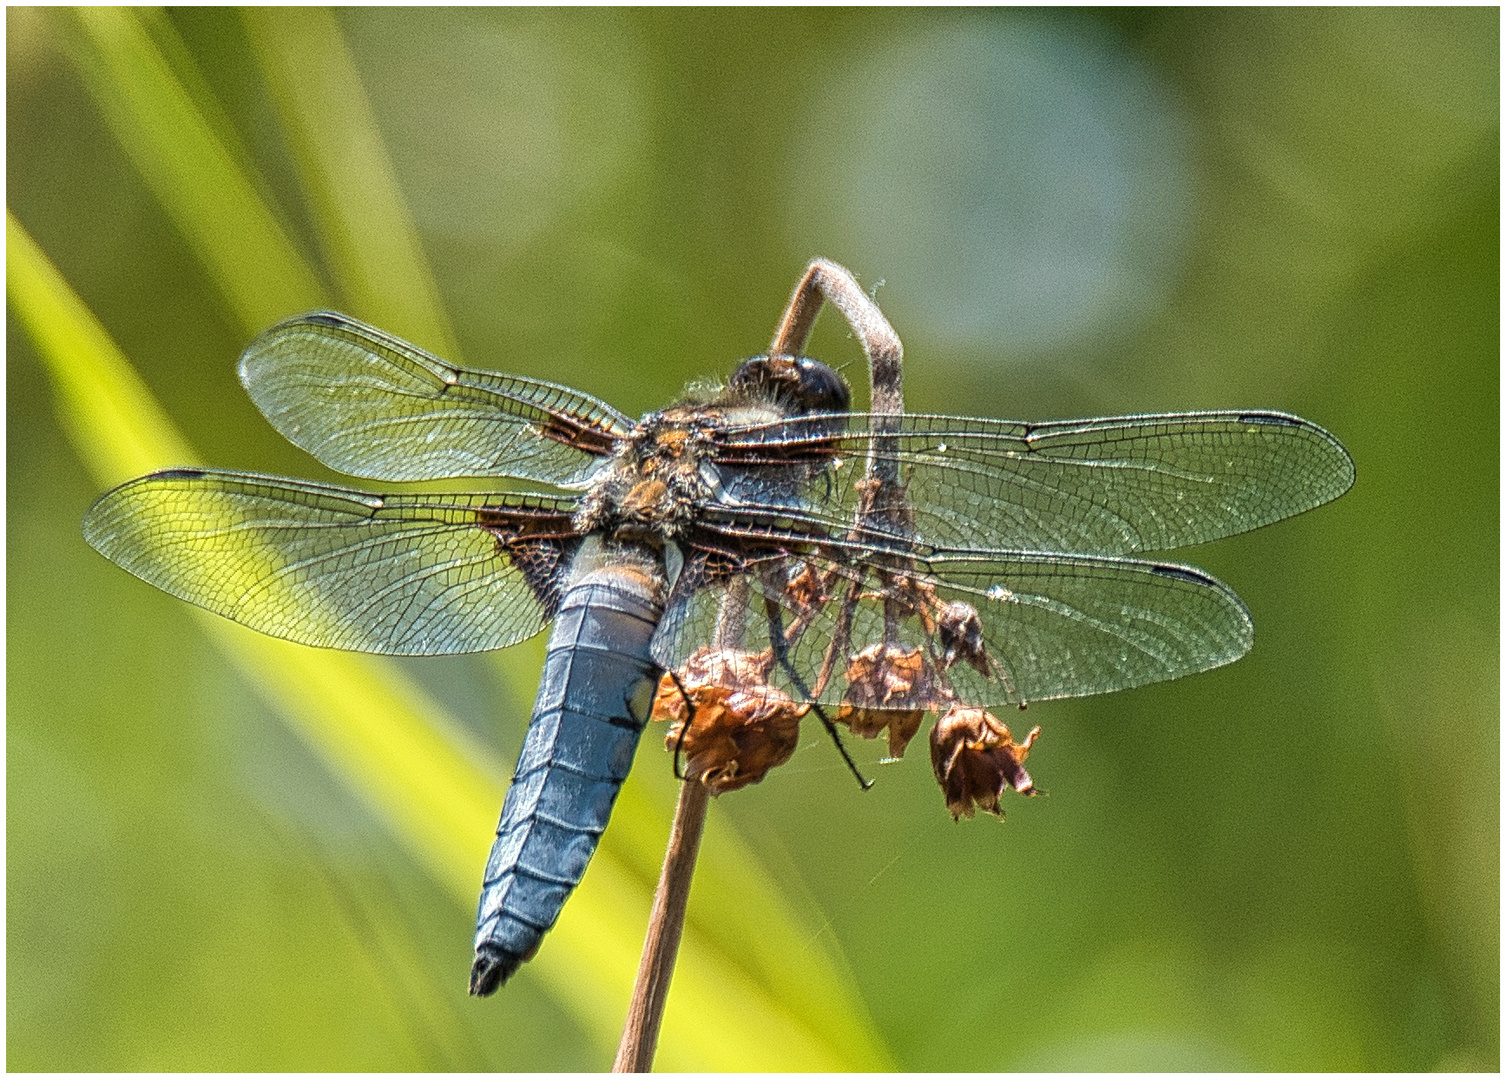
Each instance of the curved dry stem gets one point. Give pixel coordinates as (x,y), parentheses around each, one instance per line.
(823,281)
(666,921)
(827,281)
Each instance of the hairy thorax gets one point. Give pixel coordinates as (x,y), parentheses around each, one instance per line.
(651,486)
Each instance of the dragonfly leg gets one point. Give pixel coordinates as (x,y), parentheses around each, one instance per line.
(781,649)
(690,715)
(827,723)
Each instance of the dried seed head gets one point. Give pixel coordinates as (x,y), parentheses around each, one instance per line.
(886,689)
(962,636)
(975,759)
(740,727)
(805,590)
(727,667)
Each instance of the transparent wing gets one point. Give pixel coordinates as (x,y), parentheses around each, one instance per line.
(406,575)
(368,404)
(1049,626)
(1111,486)
(1073,625)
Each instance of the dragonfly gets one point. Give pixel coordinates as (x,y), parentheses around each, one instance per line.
(757,534)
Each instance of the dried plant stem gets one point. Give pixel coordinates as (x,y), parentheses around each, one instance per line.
(666,921)
(825,280)
(822,281)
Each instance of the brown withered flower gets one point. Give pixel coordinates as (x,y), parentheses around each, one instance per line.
(975,759)
(805,590)
(886,688)
(740,726)
(962,636)
(707,667)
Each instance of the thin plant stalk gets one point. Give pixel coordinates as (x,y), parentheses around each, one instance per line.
(822,281)
(666,921)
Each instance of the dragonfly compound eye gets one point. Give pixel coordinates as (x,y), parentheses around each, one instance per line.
(822,389)
(802,386)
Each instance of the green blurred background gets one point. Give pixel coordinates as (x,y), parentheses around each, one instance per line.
(1289,863)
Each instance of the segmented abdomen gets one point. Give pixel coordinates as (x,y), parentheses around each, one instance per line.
(594,699)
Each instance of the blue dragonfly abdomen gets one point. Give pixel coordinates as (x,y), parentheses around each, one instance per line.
(594,699)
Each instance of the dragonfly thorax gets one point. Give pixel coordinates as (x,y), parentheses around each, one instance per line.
(659,475)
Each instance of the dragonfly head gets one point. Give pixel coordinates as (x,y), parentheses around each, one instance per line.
(797,385)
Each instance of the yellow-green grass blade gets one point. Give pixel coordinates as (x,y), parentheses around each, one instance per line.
(434,786)
(180,60)
(195,177)
(365,228)
(112,419)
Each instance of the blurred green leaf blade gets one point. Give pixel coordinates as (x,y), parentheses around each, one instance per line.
(365,227)
(193,174)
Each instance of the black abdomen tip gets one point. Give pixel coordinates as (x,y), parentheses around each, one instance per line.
(492,968)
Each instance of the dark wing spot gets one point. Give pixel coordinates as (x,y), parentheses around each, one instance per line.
(1274,419)
(539,548)
(1181,573)
(565,430)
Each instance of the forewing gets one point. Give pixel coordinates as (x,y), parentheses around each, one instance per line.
(369,404)
(1050,625)
(405,575)
(1112,486)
